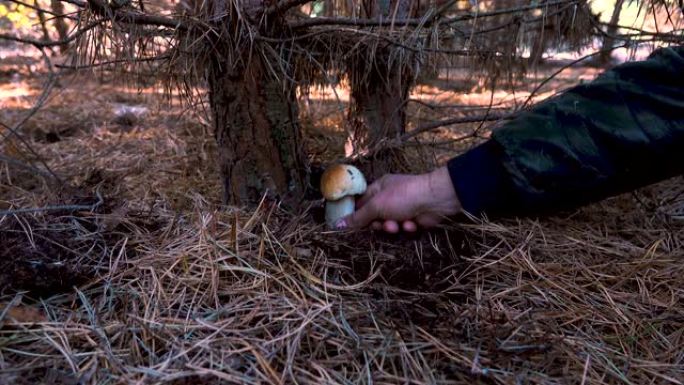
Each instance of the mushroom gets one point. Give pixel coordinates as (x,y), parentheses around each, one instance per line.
(339,184)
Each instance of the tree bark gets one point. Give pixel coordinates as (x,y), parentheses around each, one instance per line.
(60,23)
(258,134)
(378,108)
(255,118)
(41,19)
(379,90)
(609,39)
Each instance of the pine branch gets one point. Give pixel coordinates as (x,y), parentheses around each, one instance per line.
(39,9)
(100,7)
(31,210)
(460,120)
(323,21)
(52,43)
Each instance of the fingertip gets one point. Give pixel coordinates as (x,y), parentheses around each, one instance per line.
(391,227)
(376,225)
(409,226)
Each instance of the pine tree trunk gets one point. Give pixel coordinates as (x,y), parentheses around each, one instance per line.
(609,40)
(379,90)
(378,109)
(258,134)
(41,19)
(60,23)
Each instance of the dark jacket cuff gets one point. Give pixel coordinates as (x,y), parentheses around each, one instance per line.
(481,182)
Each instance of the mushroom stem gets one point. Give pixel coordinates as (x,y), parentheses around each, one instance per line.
(340,208)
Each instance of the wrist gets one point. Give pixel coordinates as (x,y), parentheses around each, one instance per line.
(439,195)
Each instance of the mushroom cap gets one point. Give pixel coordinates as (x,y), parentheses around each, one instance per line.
(342,180)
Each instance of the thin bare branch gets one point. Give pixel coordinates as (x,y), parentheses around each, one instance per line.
(460,120)
(40,9)
(321,21)
(34,210)
(52,43)
(101,8)
(563,68)
(113,62)
(42,98)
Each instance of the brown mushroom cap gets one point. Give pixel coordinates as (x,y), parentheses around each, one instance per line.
(342,180)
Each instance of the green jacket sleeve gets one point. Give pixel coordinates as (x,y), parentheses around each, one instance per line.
(621,131)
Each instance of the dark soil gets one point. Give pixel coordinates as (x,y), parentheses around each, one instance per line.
(51,252)
(43,265)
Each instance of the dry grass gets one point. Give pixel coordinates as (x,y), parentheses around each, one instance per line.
(174,289)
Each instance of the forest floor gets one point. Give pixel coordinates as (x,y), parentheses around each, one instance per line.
(144,278)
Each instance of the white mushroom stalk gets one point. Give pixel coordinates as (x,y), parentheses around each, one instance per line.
(340,184)
(335,210)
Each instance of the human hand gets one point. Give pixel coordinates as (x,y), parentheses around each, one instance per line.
(396,202)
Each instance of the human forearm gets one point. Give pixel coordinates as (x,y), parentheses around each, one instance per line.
(622,131)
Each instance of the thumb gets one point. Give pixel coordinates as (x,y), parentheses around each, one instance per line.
(358,219)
